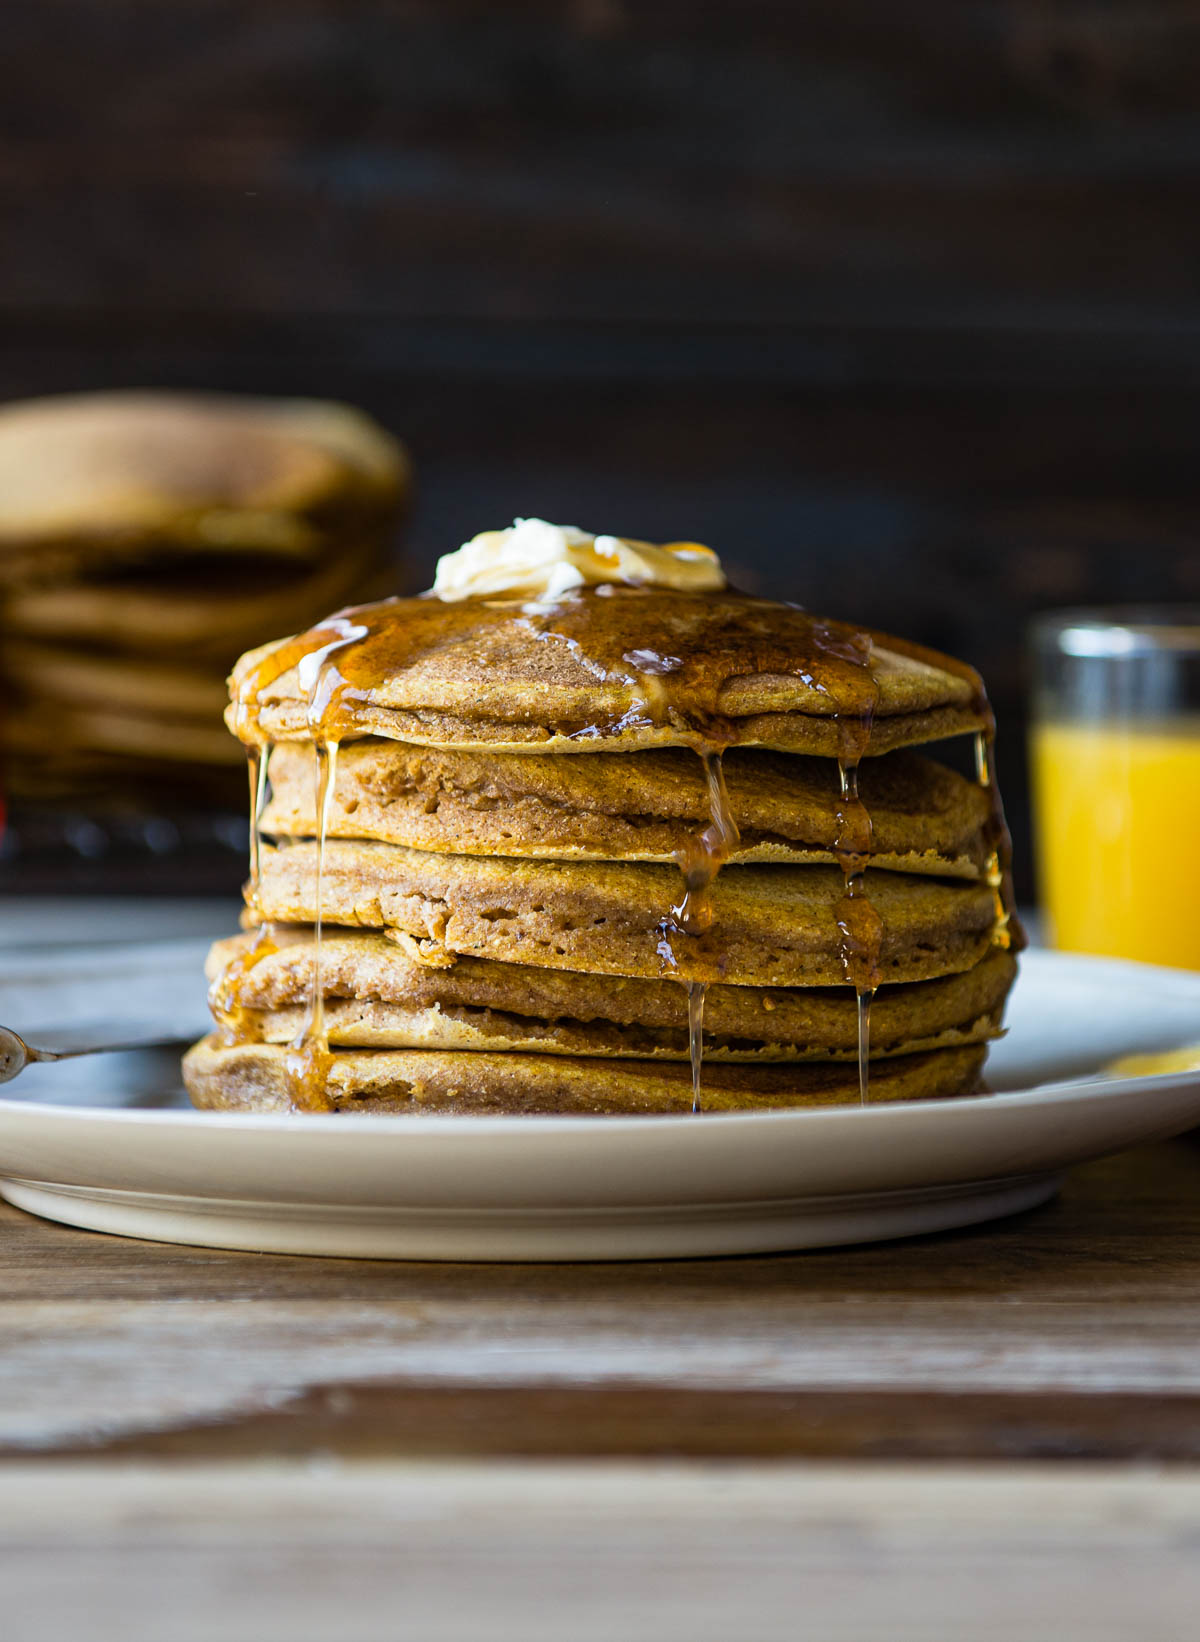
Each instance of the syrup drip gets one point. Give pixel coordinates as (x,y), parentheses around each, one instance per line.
(707,852)
(697,991)
(865,998)
(683,944)
(333,703)
(983,759)
(332,700)
(1007,932)
(860,929)
(224,995)
(258,761)
(308,1060)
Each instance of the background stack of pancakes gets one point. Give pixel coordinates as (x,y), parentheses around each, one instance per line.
(145,540)
(504,920)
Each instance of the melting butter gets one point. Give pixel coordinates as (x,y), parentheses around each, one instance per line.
(538,559)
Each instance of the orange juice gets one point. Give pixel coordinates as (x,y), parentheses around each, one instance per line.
(1117,808)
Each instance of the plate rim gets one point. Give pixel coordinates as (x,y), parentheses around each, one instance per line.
(1066,1092)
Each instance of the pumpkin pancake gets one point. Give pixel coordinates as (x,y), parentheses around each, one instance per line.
(646,806)
(377,997)
(602,669)
(117,684)
(74,704)
(254,1078)
(772,925)
(146,537)
(192,611)
(52,735)
(96,479)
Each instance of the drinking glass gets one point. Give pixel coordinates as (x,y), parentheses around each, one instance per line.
(1115,749)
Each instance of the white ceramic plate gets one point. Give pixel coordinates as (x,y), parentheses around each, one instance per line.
(109,1143)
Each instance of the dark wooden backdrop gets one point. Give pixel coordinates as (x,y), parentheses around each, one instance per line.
(896,305)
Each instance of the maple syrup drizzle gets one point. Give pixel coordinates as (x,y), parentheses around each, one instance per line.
(1007,932)
(983,759)
(683,944)
(332,702)
(308,1060)
(258,759)
(697,991)
(688,648)
(225,993)
(865,997)
(860,929)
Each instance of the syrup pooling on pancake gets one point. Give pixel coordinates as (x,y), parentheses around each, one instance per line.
(658,659)
(330,699)
(225,993)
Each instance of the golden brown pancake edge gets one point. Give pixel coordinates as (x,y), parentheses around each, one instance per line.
(253,1078)
(377,996)
(646,806)
(777,924)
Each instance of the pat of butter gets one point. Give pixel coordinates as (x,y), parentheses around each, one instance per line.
(547,560)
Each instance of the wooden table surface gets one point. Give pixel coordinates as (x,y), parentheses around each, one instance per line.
(976,1435)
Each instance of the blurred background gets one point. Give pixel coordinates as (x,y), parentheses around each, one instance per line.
(897,307)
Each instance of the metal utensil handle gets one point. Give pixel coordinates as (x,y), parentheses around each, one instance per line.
(16,1054)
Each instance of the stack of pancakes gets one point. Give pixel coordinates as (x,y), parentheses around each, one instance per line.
(145,540)
(469,896)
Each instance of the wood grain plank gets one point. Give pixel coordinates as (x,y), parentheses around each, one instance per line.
(540,1552)
(1073,1330)
(1124,1233)
(630,1419)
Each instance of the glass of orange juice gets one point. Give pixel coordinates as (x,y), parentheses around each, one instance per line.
(1116,782)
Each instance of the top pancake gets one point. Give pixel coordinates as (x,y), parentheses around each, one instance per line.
(601,668)
(88,480)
